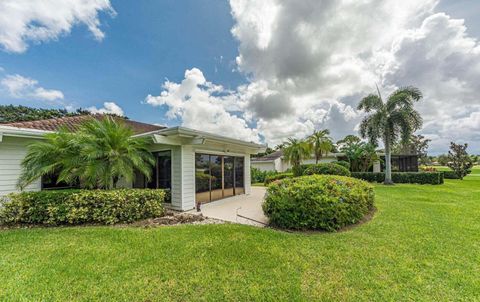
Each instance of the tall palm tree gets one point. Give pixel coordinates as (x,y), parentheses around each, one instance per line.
(321,143)
(391,120)
(294,151)
(98,155)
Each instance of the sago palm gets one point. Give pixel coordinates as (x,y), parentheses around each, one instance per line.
(111,153)
(321,143)
(294,151)
(391,120)
(57,154)
(98,155)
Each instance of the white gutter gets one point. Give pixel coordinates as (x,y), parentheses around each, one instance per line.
(21,132)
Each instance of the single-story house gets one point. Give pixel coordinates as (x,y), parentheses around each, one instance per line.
(196,166)
(276,162)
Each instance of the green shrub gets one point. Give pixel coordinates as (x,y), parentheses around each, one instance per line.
(327,169)
(343,163)
(317,202)
(279,176)
(450,175)
(370,176)
(432,178)
(81,206)
(259,176)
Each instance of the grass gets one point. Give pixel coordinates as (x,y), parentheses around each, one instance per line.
(422,245)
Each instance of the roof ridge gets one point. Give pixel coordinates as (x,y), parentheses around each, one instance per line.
(73,122)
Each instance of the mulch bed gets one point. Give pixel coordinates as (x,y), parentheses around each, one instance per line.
(174,218)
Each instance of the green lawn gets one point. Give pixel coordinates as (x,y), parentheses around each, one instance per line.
(423,244)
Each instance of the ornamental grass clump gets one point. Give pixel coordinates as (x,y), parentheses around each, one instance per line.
(318,202)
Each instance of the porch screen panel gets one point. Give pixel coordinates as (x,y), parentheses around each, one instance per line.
(239,176)
(202,177)
(228,176)
(216,171)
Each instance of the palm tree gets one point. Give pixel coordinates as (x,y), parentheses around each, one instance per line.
(56,155)
(321,143)
(391,120)
(98,155)
(294,151)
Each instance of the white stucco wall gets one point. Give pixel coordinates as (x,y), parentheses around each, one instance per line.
(264,166)
(12,152)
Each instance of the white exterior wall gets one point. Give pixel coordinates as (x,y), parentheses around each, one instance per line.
(264,166)
(247,182)
(12,152)
(188,178)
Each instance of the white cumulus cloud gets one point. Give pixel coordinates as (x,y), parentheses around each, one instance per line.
(203,105)
(25,21)
(108,108)
(310,62)
(21,87)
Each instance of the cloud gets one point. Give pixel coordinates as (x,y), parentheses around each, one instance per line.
(21,87)
(108,108)
(203,105)
(308,64)
(25,21)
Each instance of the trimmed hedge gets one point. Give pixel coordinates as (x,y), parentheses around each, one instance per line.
(450,175)
(74,207)
(318,202)
(271,178)
(432,178)
(327,169)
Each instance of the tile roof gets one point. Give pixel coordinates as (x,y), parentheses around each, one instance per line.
(73,123)
(269,157)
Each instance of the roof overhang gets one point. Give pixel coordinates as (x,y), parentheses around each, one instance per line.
(21,132)
(186,136)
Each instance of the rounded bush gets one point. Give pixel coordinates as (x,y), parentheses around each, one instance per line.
(343,163)
(271,178)
(318,202)
(327,169)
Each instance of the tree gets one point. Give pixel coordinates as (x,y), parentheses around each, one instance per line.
(416,144)
(98,155)
(11,113)
(459,160)
(294,151)
(360,155)
(442,159)
(390,121)
(320,143)
(348,140)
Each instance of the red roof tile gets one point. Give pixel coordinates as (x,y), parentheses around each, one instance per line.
(73,122)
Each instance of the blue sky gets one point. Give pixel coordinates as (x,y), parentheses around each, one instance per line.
(144,45)
(259,71)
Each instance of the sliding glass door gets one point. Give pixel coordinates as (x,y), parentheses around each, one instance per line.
(218,176)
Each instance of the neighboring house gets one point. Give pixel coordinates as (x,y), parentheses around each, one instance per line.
(276,162)
(196,166)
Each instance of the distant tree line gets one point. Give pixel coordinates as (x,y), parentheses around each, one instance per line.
(12,114)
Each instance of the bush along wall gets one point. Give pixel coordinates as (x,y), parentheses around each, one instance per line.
(431,178)
(74,207)
(318,202)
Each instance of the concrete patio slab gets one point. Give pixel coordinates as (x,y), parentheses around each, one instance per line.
(244,209)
